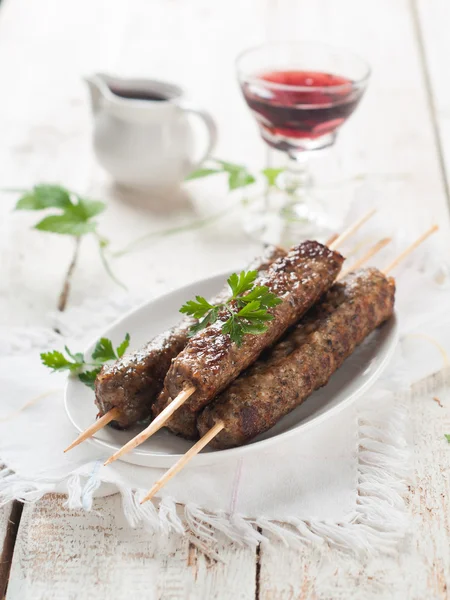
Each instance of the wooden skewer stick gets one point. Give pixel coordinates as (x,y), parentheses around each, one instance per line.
(111,415)
(351,230)
(209,435)
(336,239)
(408,250)
(154,426)
(367,256)
(331,239)
(332,243)
(181,463)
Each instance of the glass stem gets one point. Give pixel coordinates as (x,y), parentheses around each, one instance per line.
(297,178)
(267,190)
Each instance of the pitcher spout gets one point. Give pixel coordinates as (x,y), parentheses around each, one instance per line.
(97,90)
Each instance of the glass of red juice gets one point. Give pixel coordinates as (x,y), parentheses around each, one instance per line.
(300,94)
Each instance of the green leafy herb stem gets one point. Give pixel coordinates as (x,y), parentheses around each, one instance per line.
(87,370)
(239,176)
(74,216)
(245,312)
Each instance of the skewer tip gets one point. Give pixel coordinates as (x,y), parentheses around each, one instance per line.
(72,445)
(352,229)
(411,248)
(111,415)
(182,462)
(150,495)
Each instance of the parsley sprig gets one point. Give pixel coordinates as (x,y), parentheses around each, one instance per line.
(87,370)
(70,214)
(238,176)
(246,311)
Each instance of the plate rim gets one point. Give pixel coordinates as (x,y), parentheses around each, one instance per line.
(227,453)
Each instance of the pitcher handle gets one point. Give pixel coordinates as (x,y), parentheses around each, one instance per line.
(211,129)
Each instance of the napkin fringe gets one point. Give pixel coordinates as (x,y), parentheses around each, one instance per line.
(377,525)
(380,520)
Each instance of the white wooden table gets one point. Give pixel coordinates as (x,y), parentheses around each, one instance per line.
(401,132)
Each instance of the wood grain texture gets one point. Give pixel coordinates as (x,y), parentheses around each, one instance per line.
(432,18)
(98,552)
(5,557)
(422,568)
(68,554)
(9,525)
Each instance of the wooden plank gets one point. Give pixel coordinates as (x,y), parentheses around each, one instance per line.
(9,525)
(422,569)
(432,17)
(99,551)
(71,554)
(390,133)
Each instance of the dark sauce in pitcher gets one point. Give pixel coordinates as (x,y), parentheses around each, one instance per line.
(138,94)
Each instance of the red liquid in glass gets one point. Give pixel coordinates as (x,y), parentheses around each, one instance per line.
(302,114)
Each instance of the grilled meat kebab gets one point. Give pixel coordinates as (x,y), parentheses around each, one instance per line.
(304,361)
(211,360)
(133,383)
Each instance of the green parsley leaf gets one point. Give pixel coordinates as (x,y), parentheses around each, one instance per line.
(271,176)
(88,377)
(245,312)
(262,294)
(447,437)
(58,362)
(121,348)
(238,175)
(238,179)
(254,328)
(241,283)
(210,318)
(196,308)
(233,328)
(253,311)
(66,224)
(249,309)
(228,166)
(202,173)
(44,196)
(77,357)
(75,215)
(91,208)
(103,351)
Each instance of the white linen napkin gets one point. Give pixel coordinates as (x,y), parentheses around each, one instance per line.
(342,481)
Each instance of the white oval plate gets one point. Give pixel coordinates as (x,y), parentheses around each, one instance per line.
(358,373)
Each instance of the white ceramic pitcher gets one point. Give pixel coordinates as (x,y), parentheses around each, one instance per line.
(142,134)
